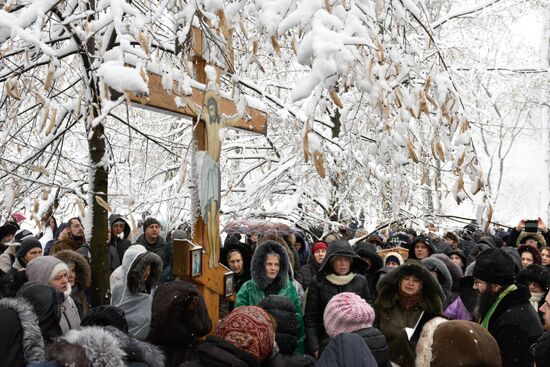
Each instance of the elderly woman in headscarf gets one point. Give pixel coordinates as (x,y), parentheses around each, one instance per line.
(54,272)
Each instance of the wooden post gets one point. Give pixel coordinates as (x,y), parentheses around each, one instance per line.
(211,282)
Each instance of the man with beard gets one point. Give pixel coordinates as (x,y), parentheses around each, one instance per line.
(504,309)
(72,238)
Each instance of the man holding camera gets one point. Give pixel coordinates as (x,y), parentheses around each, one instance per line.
(536,234)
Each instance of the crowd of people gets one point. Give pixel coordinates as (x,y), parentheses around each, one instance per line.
(348,298)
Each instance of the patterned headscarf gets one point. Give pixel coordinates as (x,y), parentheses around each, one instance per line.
(249,328)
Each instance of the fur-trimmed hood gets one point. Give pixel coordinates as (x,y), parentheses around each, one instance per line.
(116,218)
(258,265)
(33,343)
(81,266)
(388,288)
(138,351)
(134,278)
(341,248)
(102,348)
(524,236)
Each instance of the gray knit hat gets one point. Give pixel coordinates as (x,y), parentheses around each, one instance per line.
(42,269)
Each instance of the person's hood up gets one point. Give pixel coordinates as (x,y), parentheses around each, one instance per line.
(138,351)
(102,348)
(33,343)
(81,267)
(397,255)
(388,287)
(258,264)
(341,248)
(347,350)
(443,274)
(425,239)
(40,268)
(244,249)
(116,218)
(46,302)
(368,250)
(178,315)
(454,269)
(129,256)
(134,277)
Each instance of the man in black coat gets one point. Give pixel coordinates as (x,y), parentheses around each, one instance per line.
(504,309)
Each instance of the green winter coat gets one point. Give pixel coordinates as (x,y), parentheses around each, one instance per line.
(251,293)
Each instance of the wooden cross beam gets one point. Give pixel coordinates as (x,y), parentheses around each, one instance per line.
(212,112)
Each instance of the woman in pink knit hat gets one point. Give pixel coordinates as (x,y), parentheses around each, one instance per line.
(348,313)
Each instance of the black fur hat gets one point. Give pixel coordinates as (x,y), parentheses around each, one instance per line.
(495,266)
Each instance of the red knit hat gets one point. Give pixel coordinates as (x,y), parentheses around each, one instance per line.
(249,328)
(319,246)
(347,312)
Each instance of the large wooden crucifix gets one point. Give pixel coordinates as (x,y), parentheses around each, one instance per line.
(211,112)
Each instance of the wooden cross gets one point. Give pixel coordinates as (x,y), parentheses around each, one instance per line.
(212,112)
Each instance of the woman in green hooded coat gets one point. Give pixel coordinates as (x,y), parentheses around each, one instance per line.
(270,276)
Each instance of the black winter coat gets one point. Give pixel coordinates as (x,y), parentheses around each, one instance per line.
(284,312)
(321,291)
(216,352)
(376,341)
(306,273)
(347,350)
(515,326)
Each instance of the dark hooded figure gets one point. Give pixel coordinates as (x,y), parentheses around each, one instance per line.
(438,268)
(239,265)
(455,271)
(120,231)
(46,302)
(421,247)
(132,294)
(270,275)
(340,272)
(178,318)
(367,251)
(347,350)
(408,297)
(20,340)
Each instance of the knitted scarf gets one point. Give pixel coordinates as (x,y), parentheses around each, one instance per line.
(340,279)
(408,301)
